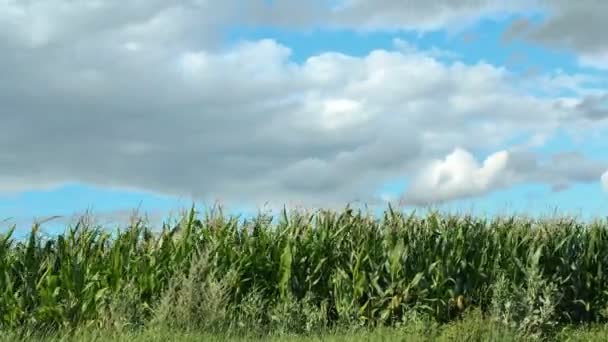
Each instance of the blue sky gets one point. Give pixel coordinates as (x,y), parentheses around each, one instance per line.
(529,66)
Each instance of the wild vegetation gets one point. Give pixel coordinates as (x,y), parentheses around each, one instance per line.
(305,273)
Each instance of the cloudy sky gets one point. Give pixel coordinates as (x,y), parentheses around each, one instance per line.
(113,105)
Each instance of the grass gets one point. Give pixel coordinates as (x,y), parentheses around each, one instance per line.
(470,329)
(333,275)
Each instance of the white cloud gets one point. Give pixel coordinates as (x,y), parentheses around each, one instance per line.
(339,113)
(604,181)
(457,176)
(460,175)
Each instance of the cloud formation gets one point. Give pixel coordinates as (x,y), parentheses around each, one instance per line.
(573,25)
(459,175)
(144,95)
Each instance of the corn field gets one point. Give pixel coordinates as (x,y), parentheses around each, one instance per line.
(304,271)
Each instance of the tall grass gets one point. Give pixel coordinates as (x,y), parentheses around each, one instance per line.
(303,273)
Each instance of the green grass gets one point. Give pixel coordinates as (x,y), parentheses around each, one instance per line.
(305,273)
(469,329)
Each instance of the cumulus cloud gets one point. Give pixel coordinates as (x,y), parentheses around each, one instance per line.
(144,96)
(246,122)
(56,23)
(459,175)
(604,181)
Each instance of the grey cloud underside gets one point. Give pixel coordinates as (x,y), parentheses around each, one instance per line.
(575,24)
(560,170)
(102,96)
(595,107)
(578,25)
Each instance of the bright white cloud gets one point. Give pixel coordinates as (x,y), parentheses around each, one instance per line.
(459,175)
(604,181)
(339,113)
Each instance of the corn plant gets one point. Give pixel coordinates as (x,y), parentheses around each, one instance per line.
(343,267)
